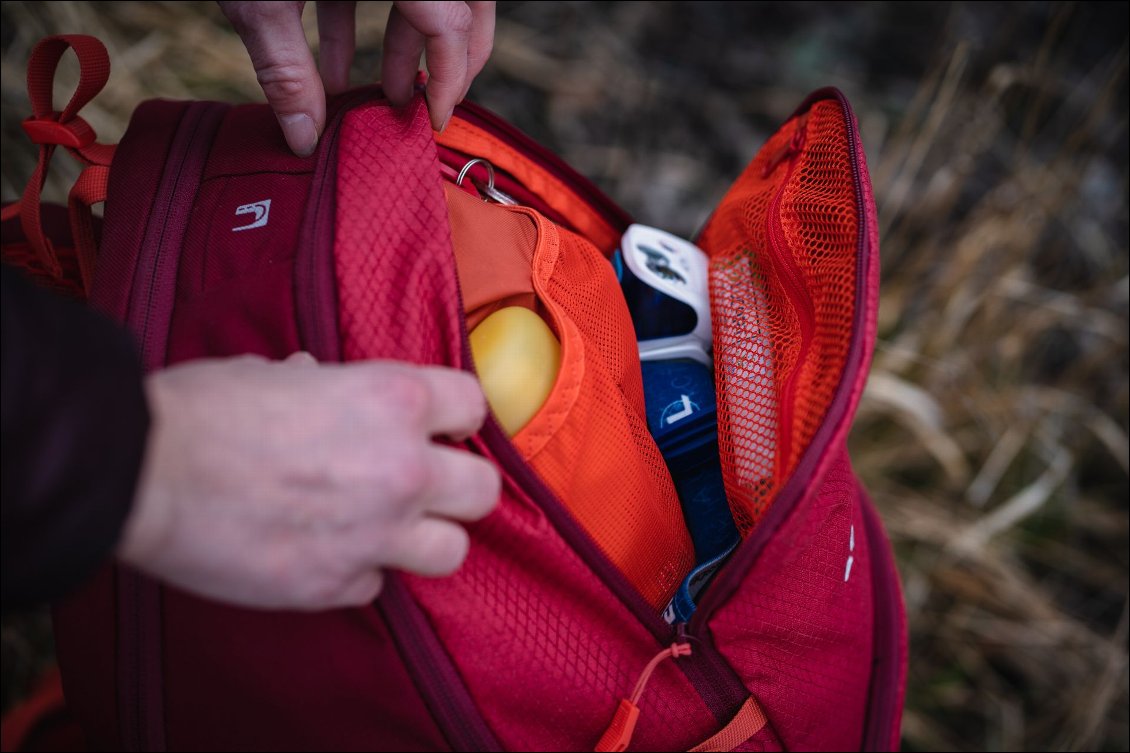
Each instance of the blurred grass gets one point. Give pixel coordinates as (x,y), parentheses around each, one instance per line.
(993,432)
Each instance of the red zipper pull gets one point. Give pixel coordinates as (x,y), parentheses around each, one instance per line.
(619,732)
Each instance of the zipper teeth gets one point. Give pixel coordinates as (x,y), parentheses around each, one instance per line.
(883,699)
(505,454)
(791,278)
(500,446)
(432,670)
(322,344)
(149,340)
(146,728)
(888,695)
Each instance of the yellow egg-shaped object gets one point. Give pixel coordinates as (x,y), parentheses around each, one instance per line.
(517,357)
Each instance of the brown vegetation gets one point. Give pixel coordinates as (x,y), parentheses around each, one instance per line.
(993,433)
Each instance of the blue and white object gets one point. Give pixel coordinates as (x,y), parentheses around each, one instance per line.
(682,417)
(665,280)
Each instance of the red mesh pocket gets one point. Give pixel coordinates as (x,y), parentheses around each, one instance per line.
(783,246)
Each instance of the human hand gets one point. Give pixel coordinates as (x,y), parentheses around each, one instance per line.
(457,36)
(294,485)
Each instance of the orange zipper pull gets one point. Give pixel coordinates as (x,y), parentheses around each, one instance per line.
(623,725)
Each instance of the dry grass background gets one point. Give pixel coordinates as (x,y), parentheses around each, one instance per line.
(993,433)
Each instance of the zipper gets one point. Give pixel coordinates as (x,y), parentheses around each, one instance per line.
(314,285)
(151,304)
(881,726)
(792,281)
(433,672)
(618,735)
(495,440)
(881,731)
(140,676)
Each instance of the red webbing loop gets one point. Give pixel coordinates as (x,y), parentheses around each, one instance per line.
(94,72)
(50,128)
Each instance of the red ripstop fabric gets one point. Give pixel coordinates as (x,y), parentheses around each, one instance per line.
(217,241)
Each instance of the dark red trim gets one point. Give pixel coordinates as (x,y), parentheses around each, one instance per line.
(432,671)
(141,708)
(315,289)
(888,678)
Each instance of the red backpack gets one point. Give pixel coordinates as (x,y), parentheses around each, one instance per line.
(216,240)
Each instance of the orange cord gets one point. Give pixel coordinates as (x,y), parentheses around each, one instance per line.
(623,725)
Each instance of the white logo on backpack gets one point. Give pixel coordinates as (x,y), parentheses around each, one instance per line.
(261,210)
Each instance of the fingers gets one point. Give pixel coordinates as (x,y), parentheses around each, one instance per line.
(448,32)
(301,358)
(457,37)
(434,400)
(336,43)
(361,590)
(432,547)
(459,485)
(400,58)
(276,43)
(458,407)
(481,41)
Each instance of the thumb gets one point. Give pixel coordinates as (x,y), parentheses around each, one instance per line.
(276,43)
(301,358)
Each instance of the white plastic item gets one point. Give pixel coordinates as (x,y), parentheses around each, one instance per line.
(679,269)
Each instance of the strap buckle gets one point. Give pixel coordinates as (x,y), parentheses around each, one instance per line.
(76,133)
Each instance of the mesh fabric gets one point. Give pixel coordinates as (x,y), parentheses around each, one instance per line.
(782,246)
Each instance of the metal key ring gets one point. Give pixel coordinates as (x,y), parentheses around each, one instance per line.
(467,168)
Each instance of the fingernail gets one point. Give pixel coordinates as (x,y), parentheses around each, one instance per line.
(300,133)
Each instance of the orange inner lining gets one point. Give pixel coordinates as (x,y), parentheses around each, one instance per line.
(589,441)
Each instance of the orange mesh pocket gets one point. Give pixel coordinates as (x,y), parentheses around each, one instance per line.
(782,247)
(589,442)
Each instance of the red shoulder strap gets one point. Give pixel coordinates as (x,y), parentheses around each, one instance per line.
(50,128)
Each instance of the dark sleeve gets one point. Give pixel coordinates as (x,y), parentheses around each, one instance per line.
(74,425)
